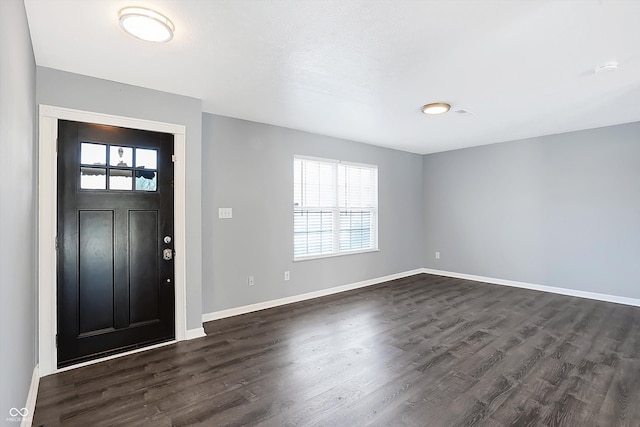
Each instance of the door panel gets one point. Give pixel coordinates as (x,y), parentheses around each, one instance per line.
(95,276)
(143,261)
(115,205)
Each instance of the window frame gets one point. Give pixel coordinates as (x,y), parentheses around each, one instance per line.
(108,166)
(336,252)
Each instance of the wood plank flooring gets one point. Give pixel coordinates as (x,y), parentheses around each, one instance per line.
(420,351)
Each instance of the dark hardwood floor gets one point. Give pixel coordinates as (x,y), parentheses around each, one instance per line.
(419,351)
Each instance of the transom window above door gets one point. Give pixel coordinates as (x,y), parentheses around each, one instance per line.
(120,168)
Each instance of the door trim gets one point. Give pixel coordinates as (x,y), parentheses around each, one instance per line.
(47,220)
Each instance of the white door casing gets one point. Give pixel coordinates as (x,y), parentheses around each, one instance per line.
(47,223)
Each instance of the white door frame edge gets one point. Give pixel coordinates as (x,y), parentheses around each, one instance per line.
(47,220)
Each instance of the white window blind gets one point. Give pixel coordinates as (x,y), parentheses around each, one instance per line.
(335,207)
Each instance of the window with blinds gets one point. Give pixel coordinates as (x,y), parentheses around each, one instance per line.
(335,207)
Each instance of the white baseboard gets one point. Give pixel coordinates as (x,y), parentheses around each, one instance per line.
(535,287)
(207,317)
(30,404)
(194,333)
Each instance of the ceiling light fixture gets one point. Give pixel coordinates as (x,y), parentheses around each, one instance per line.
(606,68)
(436,108)
(146,24)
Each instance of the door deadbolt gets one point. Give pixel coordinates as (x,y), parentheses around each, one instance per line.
(167,239)
(167,254)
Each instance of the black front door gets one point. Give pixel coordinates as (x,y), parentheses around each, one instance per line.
(115,286)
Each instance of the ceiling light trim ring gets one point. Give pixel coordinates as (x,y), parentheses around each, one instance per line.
(152,16)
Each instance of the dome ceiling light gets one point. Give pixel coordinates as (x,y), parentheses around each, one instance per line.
(606,68)
(146,24)
(436,108)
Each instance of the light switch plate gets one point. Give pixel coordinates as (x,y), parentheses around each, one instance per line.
(225,213)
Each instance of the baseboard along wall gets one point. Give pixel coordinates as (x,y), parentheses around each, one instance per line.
(208,317)
(194,333)
(30,404)
(535,287)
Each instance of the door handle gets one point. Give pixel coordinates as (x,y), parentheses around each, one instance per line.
(167,254)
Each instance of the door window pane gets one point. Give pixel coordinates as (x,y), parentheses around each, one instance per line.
(121,156)
(120,179)
(93,154)
(146,180)
(146,159)
(119,167)
(93,178)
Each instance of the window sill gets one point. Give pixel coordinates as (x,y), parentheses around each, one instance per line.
(333,255)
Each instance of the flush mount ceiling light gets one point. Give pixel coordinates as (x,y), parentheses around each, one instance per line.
(606,68)
(436,108)
(146,24)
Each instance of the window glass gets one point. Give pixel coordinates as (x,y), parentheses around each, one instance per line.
(146,159)
(121,156)
(146,180)
(118,172)
(355,230)
(93,178)
(335,207)
(120,179)
(93,154)
(313,232)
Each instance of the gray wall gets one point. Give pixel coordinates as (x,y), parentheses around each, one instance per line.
(17,208)
(249,167)
(560,210)
(69,90)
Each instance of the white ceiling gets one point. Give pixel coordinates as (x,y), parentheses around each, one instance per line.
(362,69)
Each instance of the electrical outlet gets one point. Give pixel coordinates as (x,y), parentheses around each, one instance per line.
(250,281)
(437,255)
(225,213)
(287,276)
